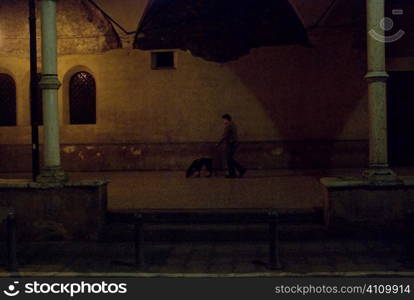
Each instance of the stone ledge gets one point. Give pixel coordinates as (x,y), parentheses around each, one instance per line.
(26,184)
(359,182)
(266,155)
(361,203)
(73,210)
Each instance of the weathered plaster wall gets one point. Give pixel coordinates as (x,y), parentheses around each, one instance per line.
(275,94)
(295,106)
(286,93)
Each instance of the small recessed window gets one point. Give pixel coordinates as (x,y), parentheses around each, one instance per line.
(162,60)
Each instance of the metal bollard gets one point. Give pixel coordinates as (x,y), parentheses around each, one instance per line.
(11,242)
(274,259)
(139,252)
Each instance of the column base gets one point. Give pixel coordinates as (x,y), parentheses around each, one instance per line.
(381,175)
(52,176)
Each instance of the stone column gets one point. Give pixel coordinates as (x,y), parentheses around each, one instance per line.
(377,94)
(51,171)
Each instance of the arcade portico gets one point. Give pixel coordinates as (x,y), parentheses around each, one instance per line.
(378,196)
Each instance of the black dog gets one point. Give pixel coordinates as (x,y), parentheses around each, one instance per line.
(198,165)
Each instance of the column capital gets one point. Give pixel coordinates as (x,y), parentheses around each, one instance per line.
(376,76)
(50,81)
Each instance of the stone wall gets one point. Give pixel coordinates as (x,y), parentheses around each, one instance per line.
(358,204)
(75,211)
(286,96)
(282,94)
(178,156)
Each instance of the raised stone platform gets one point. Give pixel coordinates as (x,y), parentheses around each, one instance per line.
(72,211)
(352,202)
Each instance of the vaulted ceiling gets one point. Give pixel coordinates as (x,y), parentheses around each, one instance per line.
(218,30)
(129,12)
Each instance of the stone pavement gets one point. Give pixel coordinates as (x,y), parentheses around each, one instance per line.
(328,256)
(280,188)
(170,189)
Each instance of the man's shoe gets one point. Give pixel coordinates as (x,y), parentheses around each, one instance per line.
(242,172)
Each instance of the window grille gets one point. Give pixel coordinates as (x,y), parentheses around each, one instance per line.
(82,99)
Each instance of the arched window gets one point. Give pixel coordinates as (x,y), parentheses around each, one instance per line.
(82,99)
(7,101)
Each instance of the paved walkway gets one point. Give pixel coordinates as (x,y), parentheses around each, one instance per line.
(302,257)
(282,188)
(173,190)
(259,189)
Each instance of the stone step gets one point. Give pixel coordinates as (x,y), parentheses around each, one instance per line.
(198,233)
(219,226)
(223,216)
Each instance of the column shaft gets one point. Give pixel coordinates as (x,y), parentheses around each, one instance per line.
(377,94)
(50,84)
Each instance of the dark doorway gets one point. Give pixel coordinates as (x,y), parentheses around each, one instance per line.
(401,118)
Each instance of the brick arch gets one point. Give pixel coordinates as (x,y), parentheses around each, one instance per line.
(82,28)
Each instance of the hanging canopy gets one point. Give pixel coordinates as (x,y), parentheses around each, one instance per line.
(219,30)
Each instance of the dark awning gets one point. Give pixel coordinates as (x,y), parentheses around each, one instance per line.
(219,30)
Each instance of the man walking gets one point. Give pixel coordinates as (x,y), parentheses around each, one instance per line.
(230,140)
